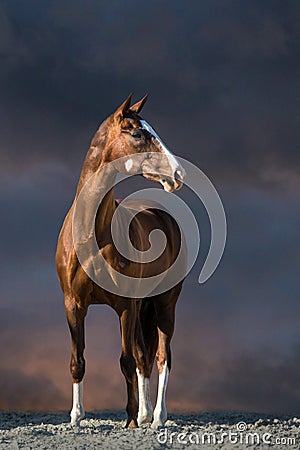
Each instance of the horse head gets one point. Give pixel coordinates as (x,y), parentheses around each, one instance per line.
(128,134)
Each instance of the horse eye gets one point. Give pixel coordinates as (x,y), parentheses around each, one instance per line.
(137,134)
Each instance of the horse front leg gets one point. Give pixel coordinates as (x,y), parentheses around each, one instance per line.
(75,317)
(127,361)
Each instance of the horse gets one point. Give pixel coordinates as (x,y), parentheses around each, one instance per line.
(146,324)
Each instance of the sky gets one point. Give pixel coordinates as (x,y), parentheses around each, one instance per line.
(223,84)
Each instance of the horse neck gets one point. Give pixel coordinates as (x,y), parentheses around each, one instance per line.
(95,206)
(107,207)
(94,155)
(99,180)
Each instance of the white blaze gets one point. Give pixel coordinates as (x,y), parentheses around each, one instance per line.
(174,164)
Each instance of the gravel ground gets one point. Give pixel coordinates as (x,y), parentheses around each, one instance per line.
(106,430)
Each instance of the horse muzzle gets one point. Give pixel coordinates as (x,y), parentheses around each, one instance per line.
(174,183)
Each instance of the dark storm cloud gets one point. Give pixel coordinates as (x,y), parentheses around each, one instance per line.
(32,210)
(257,381)
(223,81)
(250,303)
(24,392)
(251,382)
(224,77)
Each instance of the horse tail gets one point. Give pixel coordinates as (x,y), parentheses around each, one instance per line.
(148,323)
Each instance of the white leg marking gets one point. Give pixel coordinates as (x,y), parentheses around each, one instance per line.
(160,411)
(77,412)
(145,408)
(128,164)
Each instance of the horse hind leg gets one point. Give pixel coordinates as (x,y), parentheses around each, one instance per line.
(146,346)
(128,318)
(75,318)
(165,313)
(164,367)
(145,411)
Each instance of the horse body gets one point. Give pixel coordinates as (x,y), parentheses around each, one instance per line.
(147,325)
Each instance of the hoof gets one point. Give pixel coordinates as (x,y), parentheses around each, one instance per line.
(157,424)
(159,420)
(145,418)
(131,423)
(76,417)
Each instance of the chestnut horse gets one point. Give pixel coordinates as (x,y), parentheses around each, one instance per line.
(147,324)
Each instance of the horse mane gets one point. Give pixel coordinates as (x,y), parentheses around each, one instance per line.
(94,154)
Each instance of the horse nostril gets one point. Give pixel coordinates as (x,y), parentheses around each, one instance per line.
(179,175)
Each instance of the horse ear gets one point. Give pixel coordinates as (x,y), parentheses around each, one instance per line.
(137,107)
(120,112)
